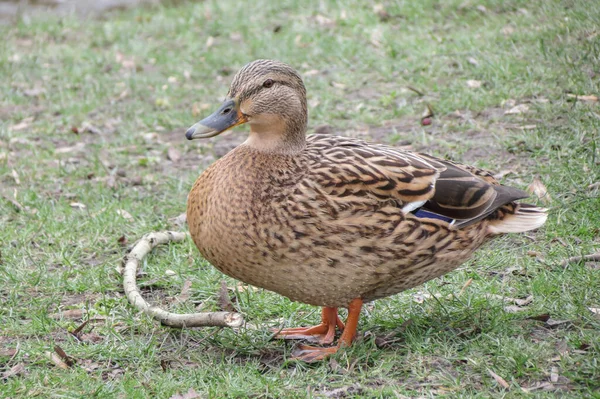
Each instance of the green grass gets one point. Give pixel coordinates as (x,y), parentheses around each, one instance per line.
(139,78)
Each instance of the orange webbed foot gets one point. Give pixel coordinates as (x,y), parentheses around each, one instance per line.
(323,333)
(311,354)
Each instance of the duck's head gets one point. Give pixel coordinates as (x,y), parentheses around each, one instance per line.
(269,96)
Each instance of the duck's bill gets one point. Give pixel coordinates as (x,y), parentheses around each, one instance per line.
(226,117)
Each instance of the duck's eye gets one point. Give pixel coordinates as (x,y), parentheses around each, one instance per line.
(268,83)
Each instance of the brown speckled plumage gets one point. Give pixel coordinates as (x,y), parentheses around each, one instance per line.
(320,219)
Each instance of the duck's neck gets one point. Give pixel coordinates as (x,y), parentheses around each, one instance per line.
(275,135)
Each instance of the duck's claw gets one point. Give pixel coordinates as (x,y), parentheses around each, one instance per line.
(311,354)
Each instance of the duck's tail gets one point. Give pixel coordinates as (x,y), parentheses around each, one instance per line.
(517,218)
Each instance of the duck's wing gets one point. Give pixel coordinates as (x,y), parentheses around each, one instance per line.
(347,167)
(351,169)
(468,194)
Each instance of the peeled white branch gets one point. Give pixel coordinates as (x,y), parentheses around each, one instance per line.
(589,258)
(132,262)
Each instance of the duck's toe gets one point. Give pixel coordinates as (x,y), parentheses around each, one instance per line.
(323,334)
(311,354)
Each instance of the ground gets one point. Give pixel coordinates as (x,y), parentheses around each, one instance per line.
(92,156)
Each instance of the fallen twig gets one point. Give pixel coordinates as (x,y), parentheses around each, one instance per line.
(501,381)
(573,259)
(132,262)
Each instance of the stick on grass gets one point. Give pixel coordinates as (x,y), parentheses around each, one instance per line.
(132,262)
(588,258)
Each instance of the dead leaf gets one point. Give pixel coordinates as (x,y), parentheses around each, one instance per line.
(185,292)
(595,311)
(34,92)
(58,362)
(552,323)
(518,109)
(542,317)
(15,177)
(503,173)
(66,150)
(427,115)
(14,371)
(179,220)
(122,240)
(525,301)
(77,205)
(76,331)
(24,124)
(173,154)
(224,301)
(241,287)
(590,98)
(335,366)
(190,394)
(210,42)
(91,337)
(528,127)
(324,21)
(546,386)
(501,381)
(507,30)
(126,215)
(464,287)
(517,301)
(313,103)
(474,84)
(126,62)
(88,127)
(472,61)
(8,352)
(390,338)
(554,374)
(65,358)
(538,189)
(381,12)
(421,297)
(73,314)
(377,37)
(344,392)
(311,72)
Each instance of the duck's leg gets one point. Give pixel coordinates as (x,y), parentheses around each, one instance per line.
(313,353)
(324,332)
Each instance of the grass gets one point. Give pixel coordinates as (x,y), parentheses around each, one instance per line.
(93,114)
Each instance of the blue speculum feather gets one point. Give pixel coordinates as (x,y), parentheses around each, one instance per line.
(420,213)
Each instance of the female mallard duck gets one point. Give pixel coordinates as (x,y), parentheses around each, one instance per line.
(334,221)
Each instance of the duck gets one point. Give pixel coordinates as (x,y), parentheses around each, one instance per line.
(334,221)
